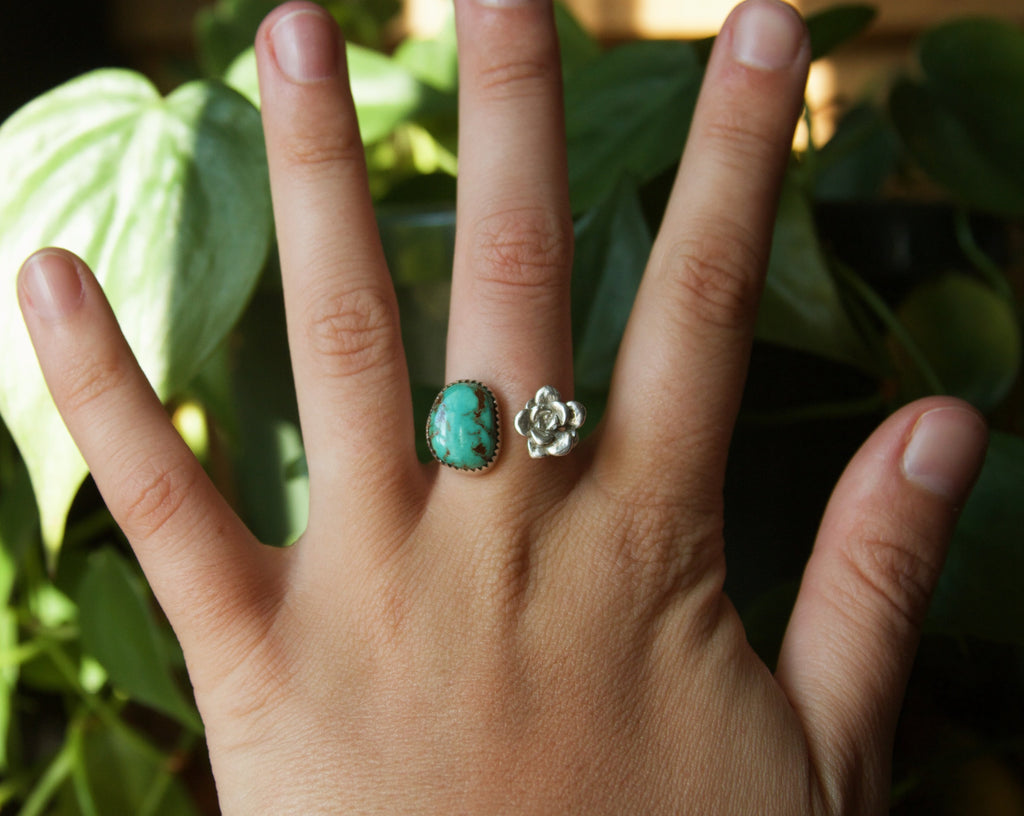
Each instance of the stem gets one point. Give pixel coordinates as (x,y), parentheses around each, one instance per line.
(53,777)
(106,713)
(159,784)
(79,774)
(889,319)
(983,264)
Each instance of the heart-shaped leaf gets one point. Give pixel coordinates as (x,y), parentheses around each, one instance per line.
(968,335)
(166,199)
(386,93)
(612,247)
(801,307)
(627,115)
(963,123)
(119,630)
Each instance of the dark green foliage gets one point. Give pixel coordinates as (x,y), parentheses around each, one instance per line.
(93,707)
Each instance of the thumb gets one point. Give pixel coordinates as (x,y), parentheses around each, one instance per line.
(851,640)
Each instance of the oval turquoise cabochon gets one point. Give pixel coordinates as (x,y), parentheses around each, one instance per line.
(462,429)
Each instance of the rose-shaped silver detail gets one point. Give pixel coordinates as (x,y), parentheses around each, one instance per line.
(551,427)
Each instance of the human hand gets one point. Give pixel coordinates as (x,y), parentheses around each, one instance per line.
(548,636)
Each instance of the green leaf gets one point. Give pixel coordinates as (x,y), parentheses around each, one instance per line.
(801,307)
(834,26)
(612,247)
(946,149)
(225,29)
(628,115)
(433,61)
(386,93)
(8,677)
(265,423)
(166,199)
(18,523)
(979,591)
(419,244)
(122,773)
(18,520)
(964,123)
(118,628)
(576,46)
(969,336)
(975,67)
(859,158)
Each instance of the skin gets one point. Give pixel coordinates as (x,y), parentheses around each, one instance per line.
(550,636)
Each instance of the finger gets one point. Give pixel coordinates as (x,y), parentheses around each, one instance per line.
(682,363)
(203,564)
(343,331)
(851,640)
(510,292)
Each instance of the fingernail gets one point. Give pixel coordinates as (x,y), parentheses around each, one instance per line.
(946,451)
(306,45)
(51,285)
(505,3)
(767,35)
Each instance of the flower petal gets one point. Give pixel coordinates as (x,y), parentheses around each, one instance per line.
(560,411)
(547,394)
(540,436)
(577,414)
(536,451)
(564,441)
(523,422)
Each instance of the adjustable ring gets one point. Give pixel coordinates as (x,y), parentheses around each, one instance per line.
(551,427)
(463,431)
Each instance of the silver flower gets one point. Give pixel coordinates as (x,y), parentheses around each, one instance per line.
(550,426)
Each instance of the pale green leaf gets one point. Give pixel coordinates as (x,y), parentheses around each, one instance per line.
(166,199)
(434,61)
(386,93)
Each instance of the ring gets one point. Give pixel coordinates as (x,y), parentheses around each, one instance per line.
(463,431)
(551,427)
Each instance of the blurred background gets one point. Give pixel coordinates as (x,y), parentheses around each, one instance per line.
(41,44)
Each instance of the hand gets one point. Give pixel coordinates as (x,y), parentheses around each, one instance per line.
(549,636)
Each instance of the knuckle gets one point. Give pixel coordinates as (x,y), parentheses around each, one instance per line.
(88,379)
(351,331)
(518,78)
(740,145)
(521,253)
(899,576)
(715,276)
(153,496)
(315,153)
(648,550)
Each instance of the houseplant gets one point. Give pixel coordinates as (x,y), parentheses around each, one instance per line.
(158,193)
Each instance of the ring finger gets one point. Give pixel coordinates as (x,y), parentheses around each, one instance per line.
(513,256)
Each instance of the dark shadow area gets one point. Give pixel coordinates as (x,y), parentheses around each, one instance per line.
(45,44)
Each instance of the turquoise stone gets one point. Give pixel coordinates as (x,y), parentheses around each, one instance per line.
(462,429)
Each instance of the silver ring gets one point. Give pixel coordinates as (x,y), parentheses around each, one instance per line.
(463,428)
(551,427)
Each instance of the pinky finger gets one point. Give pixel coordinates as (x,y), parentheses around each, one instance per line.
(198,556)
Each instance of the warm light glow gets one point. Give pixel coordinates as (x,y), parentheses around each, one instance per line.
(822,102)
